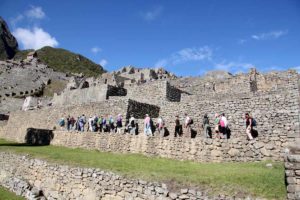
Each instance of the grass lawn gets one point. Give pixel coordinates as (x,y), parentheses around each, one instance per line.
(227,178)
(7,195)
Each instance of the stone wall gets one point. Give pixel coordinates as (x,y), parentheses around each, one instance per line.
(65,182)
(292,173)
(198,149)
(240,83)
(47,118)
(173,94)
(276,114)
(81,96)
(150,92)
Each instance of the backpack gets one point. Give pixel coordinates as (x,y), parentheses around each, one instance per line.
(253,122)
(61,122)
(132,123)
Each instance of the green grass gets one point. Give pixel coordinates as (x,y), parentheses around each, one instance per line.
(227,178)
(64,61)
(7,195)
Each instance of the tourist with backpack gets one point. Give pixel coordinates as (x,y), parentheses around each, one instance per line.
(68,123)
(82,122)
(131,126)
(119,124)
(206,127)
(61,123)
(160,126)
(178,127)
(217,126)
(104,125)
(111,125)
(99,123)
(147,126)
(187,126)
(72,123)
(250,122)
(223,126)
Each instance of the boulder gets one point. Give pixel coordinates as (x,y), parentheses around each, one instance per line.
(216,153)
(233,152)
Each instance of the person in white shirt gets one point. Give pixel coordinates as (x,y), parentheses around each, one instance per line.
(223,126)
(187,126)
(160,127)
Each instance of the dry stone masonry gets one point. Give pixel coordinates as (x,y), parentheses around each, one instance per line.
(38,179)
(292,173)
(272,99)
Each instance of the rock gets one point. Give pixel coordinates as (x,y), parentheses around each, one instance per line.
(233,152)
(265,152)
(8,43)
(258,145)
(269,146)
(183,196)
(173,195)
(184,191)
(269,165)
(216,153)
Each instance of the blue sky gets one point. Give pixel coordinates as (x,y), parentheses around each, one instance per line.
(185,37)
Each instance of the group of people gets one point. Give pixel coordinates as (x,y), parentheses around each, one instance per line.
(111,124)
(97,124)
(221,126)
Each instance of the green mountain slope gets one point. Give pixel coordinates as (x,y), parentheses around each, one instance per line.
(65,61)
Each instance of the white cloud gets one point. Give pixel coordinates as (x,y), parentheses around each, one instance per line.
(103,62)
(161,63)
(34,38)
(233,66)
(297,68)
(242,41)
(186,55)
(17,19)
(152,14)
(35,12)
(192,54)
(96,50)
(270,35)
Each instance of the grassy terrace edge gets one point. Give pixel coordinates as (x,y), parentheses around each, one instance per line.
(6,194)
(251,178)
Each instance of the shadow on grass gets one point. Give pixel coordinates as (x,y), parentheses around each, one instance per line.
(20,145)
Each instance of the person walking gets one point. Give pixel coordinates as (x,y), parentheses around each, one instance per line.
(119,124)
(223,126)
(187,126)
(131,125)
(160,127)
(147,126)
(217,126)
(206,126)
(178,127)
(249,126)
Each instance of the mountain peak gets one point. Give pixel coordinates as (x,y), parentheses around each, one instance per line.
(8,43)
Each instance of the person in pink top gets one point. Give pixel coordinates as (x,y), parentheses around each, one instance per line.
(147,126)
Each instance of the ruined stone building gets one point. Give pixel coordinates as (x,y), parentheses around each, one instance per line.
(272,99)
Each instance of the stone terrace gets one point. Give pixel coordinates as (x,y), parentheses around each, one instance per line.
(273,99)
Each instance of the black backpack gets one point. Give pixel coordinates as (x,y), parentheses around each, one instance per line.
(191,121)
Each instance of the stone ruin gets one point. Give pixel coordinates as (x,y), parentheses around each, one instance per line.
(271,98)
(26,78)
